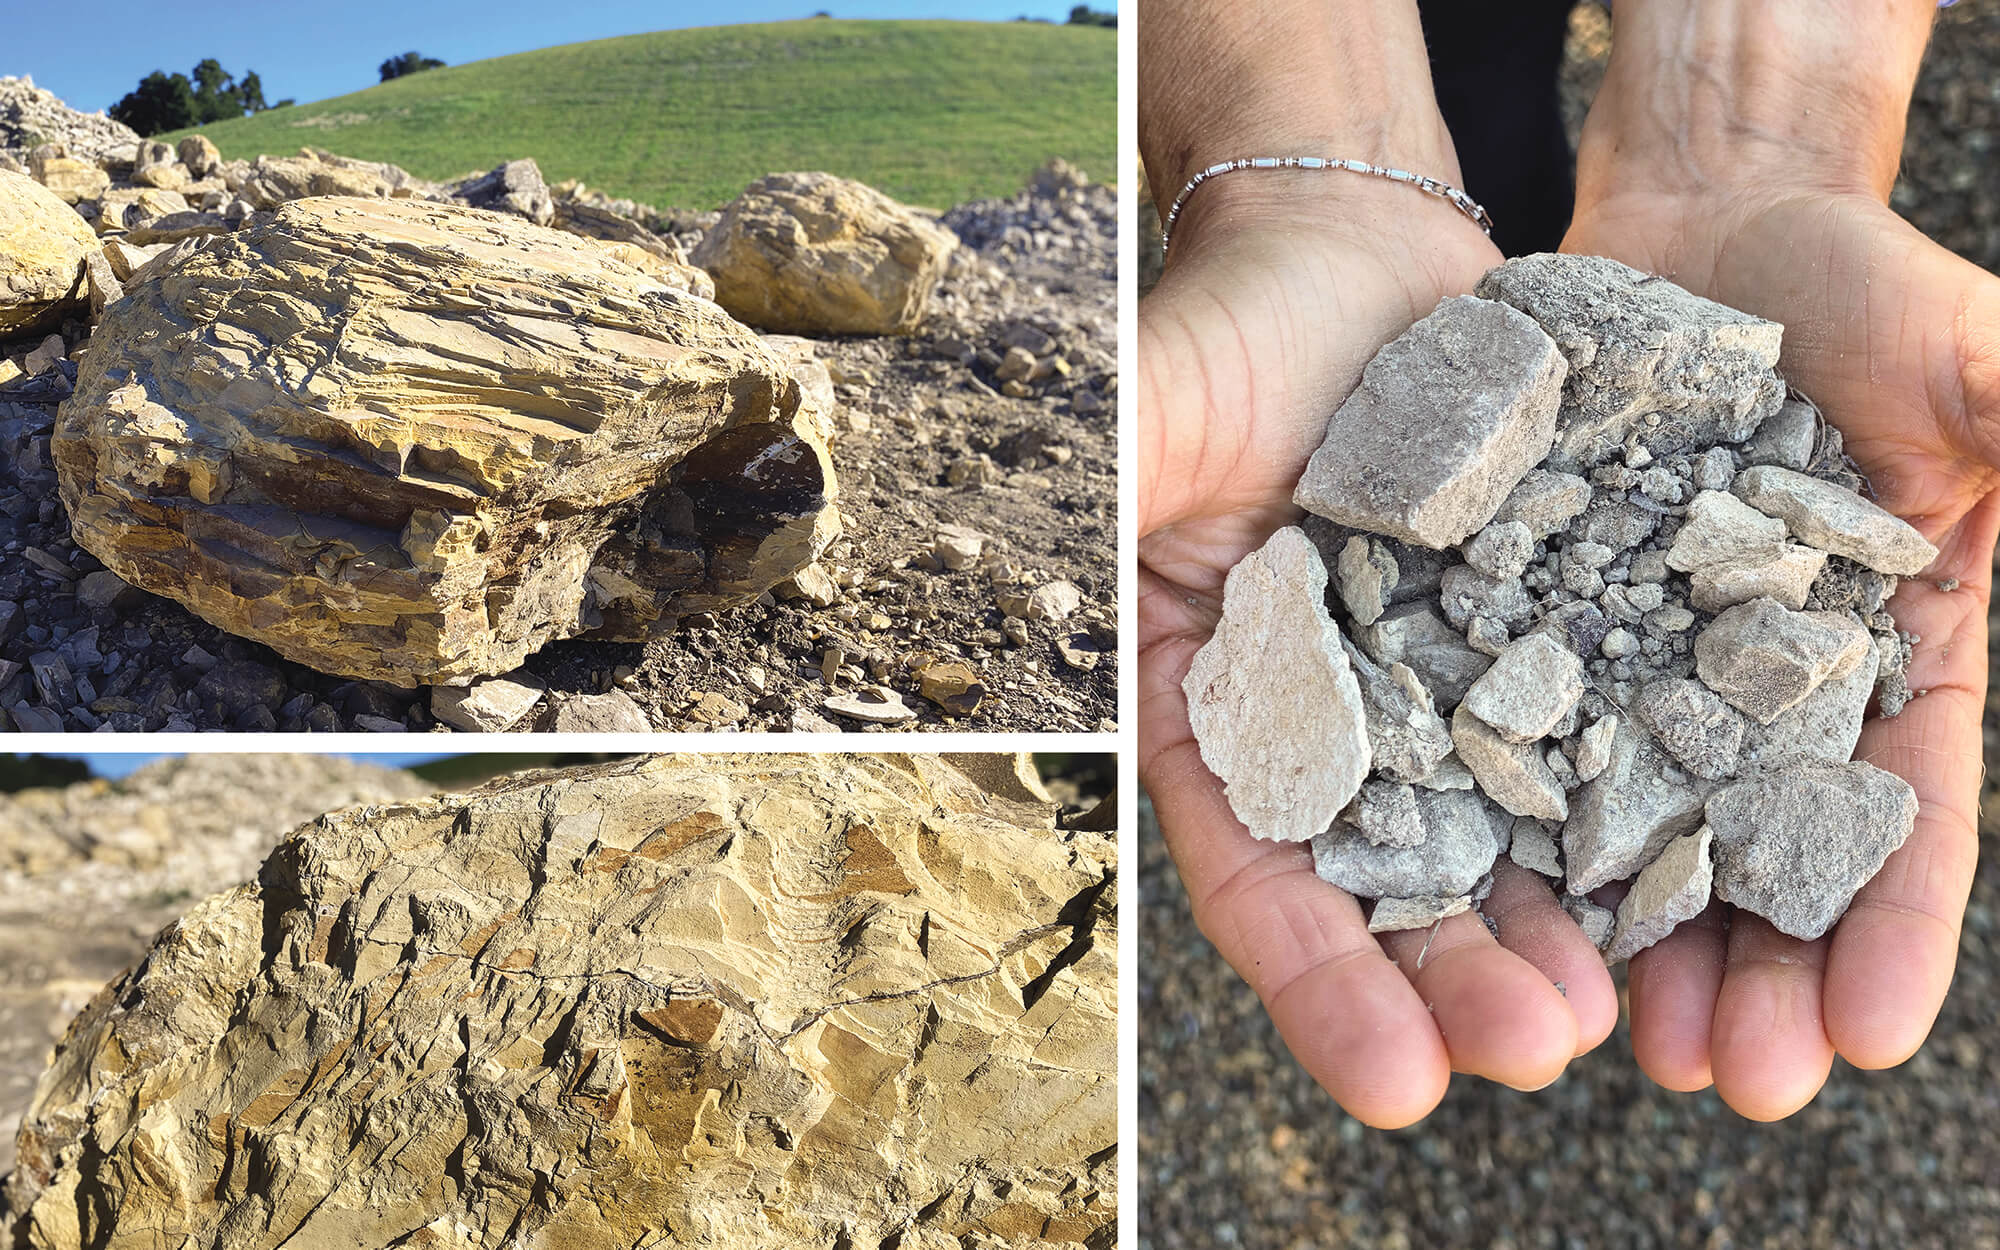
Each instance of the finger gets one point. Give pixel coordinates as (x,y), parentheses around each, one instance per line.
(1769,1047)
(1347,1014)
(1534,926)
(1893,952)
(1673,985)
(1500,1017)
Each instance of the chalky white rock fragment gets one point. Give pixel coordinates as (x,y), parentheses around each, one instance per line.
(1672,889)
(1721,529)
(1447,418)
(1392,915)
(1463,835)
(1529,689)
(1764,658)
(1835,519)
(1623,819)
(1272,699)
(1516,776)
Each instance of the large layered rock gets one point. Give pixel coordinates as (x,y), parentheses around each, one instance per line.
(809,253)
(779,1001)
(44,248)
(415,442)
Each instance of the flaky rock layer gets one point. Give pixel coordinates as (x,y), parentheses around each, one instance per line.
(751,1001)
(414,442)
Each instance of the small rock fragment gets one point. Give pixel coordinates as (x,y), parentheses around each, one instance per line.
(1795,846)
(1672,889)
(611,712)
(1272,700)
(1593,750)
(1462,833)
(1596,922)
(1785,438)
(1415,635)
(1764,658)
(1694,726)
(1466,593)
(1446,420)
(1545,502)
(1406,736)
(1825,725)
(490,704)
(1529,689)
(1783,573)
(1835,519)
(877,705)
(1721,529)
(952,686)
(1392,915)
(1501,550)
(958,546)
(1534,848)
(1386,813)
(1620,821)
(1517,777)
(1365,575)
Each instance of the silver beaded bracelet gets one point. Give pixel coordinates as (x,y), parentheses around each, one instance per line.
(1443,190)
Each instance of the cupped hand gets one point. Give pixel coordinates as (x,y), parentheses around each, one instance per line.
(1271,305)
(1898,341)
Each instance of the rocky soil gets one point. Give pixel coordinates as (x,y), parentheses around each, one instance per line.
(1239,1147)
(91,872)
(971,586)
(826,1000)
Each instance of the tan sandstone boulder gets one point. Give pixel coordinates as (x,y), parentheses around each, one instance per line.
(44,247)
(809,253)
(778,1001)
(71,180)
(415,442)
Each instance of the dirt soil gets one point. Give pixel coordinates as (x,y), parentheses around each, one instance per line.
(1240,1148)
(927,437)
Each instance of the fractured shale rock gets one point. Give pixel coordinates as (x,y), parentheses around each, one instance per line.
(44,247)
(415,442)
(1448,417)
(809,253)
(1273,700)
(784,1001)
(1667,592)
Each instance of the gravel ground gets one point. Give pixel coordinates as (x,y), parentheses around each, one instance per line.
(1239,1147)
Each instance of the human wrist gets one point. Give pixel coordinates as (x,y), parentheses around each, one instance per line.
(1718,97)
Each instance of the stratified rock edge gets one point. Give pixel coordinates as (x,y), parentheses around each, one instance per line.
(763,1000)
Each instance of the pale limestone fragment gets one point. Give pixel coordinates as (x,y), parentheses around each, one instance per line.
(1386,813)
(1406,736)
(1447,418)
(1463,834)
(1501,550)
(1364,576)
(1825,725)
(1517,777)
(1786,437)
(1784,573)
(1836,519)
(1795,845)
(1763,658)
(1529,689)
(1620,821)
(1392,915)
(1593,750)
(1596,922)
(1692,724)
(1534,848)
(1721,529)
(1647,358)
(1545,502)
(1672,889)
(1272,699)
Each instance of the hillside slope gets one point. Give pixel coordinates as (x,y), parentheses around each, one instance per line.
(933,113)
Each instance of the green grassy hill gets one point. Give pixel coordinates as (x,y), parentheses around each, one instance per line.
(930,112)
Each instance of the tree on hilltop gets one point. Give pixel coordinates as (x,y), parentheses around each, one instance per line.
(1084,15)
(164,101)
(408,63)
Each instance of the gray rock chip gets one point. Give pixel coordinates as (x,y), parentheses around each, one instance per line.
(1596,922)
(1365,576)
(1529,689)
(1447,418)
(1784,573)
(1692,724)
(1794,846)
(1450,774)
(1466,593)
(1502,550)
(1825,725)
(1835,519)
(611,712)
(1517,777)
(1647,358)
(490,704)
(1786,437)
(1415,635)
(1614,524)
(1545,502)
(1721,529)
(1672,889)
(1534,848)
(1462,838)
(1392,915)
(1622,820)
(1763,657)
(1593,749)
(1386,813)
(1272,699)
(1406,736)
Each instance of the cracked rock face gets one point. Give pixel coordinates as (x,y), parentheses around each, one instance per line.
(809,253)
(803,1000)
(43,248)
(414,442)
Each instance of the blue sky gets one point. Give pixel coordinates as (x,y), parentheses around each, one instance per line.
(314,51)
(118,764)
